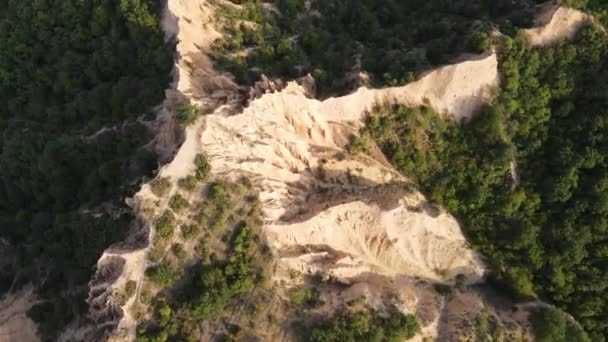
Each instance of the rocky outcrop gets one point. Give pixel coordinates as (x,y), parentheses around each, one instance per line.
(354,220)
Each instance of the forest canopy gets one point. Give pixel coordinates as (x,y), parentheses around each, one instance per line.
(334,40)
(79,79)
(544,230)
(75,77)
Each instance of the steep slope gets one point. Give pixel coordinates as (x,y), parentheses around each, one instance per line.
(348,218)
(288,144)
(556,24)
(14,324)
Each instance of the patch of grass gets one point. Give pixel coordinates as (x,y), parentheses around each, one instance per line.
(145,297)
(137,311)
(482,325)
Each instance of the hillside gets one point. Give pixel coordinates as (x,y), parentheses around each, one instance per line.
(328,172)
(339,224)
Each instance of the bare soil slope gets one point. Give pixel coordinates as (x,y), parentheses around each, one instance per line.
(14,323)
(349,218)
(556,24)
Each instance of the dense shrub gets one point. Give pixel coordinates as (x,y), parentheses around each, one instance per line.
(551,325)
(300,296)
(189,231)
(479,42)
(365,326)
(165,225)
(213,287)
(188,183)
(356,145)
(163,275)
(186,114)
(177,203)
(160,186)
(547,235)
(391,40)
(76,77)
(201,167)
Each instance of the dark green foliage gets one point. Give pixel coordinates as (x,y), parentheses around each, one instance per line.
(300,296)
(599,8)
(219,203)
(399,327)
(74,77)
(392,39)
(551,325)
(166,326)
(213,287)
(189,183)
(186,114)
(356,145)
(548,235)
(189,231)
(89,236)
(201,167)
(479,42)
(177,203)
(220,283)
(163,275)
(364,326)
(558,114)
(220,268)
(165,225)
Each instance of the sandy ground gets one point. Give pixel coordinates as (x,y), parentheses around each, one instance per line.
(189,23)
(556,24)
(371,240)
(455,90)
(288,144)
(14,324)
(326,212)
